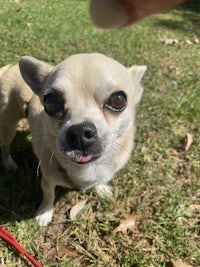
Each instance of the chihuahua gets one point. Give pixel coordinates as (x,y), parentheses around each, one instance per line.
(81,115)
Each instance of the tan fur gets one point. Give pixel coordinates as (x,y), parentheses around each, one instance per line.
(89,137)
(14,92)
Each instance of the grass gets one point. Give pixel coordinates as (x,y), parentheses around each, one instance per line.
(160,183)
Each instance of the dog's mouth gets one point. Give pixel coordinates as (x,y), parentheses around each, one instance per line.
(84,159)
(80,157)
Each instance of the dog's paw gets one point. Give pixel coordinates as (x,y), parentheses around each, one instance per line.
(10,164)
(43,218)
(104,191)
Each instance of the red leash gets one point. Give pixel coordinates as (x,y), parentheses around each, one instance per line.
(13,242)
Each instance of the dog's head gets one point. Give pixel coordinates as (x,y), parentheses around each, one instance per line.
(89,100)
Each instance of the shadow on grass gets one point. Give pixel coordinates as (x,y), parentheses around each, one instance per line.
(19,188)
(191,23)
(20,192)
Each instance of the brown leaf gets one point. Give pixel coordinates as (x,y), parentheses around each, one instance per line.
(179,263)
(52,253)
(172,152)
(188,42)
(130,223)
(77,208)
(29,24)
(65,251)
(195,207)
(189,141)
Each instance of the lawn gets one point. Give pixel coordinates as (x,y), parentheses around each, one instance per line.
(160,186)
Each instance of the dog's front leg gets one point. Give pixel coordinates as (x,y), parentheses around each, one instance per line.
(45,211)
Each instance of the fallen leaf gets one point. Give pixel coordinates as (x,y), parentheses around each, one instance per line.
(173,152)
(65,251)
(189,141)
(188,42)
(179,263)
(29,24)
(52,253)
(195,207)
(77,208)
(130,223)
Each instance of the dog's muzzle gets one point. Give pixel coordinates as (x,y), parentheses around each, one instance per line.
(83,144)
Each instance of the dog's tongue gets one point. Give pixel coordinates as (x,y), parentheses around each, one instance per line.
(83,159)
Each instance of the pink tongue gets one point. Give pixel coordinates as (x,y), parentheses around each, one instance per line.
(82,159)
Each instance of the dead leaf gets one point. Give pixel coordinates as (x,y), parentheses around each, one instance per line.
(195,207)
(173,152)
(130,223)
(52,253)
(65,251)
(188,42)
(29,24)
(189,141)
(179,263)
(77,208)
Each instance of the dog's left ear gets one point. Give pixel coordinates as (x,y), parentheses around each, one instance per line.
(137,73)
(34,72)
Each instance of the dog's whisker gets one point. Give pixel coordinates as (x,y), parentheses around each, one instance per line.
(38,168)
(51,158)
(115,142)
(117,146)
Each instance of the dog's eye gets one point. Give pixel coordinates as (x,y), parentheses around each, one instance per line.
(53,104)
(117,101)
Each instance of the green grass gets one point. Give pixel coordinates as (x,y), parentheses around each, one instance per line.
(160,183)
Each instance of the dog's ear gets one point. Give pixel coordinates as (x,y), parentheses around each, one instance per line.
(4,69)
(34,72)
(137,73)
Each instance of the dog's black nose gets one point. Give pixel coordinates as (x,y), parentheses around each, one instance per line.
(81,136)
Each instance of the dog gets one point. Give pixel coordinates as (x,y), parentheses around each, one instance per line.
(81,115)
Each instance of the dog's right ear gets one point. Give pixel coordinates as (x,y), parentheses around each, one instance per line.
(137,73)
(34,72)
